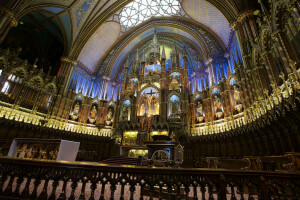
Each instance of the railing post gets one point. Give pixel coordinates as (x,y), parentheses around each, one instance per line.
(8,188)
(151,191)
(187,190)
(43,194)
(54,186)
(195,192)
(93,188)
(102,191)
(141,192)
(2,180)
(82,192)
(263,188)
(241,191)
(25,192)
(169,192)
(18,183)
(63,194)
(112,190)
(73,186)
(222,187)
(36,183)
(132,189)
(122,192)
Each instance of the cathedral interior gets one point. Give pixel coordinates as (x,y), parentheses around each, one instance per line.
(149,99)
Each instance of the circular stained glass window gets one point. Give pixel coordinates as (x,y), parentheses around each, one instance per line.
(141,10)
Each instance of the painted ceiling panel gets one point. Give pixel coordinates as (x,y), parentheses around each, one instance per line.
(98,44)
(38,17)
(67,25)
(144,35)
(53,9)
(207,14)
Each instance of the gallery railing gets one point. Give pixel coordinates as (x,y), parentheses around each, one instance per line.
(37,179)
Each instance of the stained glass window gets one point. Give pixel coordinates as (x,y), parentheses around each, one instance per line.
(141,10)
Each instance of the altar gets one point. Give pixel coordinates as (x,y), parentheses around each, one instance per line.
(160,144)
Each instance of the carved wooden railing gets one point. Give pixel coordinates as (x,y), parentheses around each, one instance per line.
(37,179)
(289,163)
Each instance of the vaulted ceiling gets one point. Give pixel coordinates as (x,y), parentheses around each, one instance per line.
(100,33)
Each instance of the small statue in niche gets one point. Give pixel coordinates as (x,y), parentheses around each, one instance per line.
(218,106)
(200,116)
(124,115)
(237,99)
(76,111)
(109,117)
(94,112)
(174,108)
(237,95)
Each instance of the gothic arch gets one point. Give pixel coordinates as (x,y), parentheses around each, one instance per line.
(172,94)
(146,87)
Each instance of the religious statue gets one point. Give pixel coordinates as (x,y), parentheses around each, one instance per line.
(76,111)
(237,99)
(124,115)
(93,114)
(109,117)
(174,108)
(218,107)
(142,110)
(237,95)
(156,108)
(200,116)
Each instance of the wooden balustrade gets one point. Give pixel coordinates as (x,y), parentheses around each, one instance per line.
(42,179)
(289,163)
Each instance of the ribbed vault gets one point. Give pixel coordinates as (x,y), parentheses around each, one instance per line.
(208,44)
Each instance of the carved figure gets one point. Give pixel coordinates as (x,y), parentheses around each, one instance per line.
(124,113)
(174,108)
(237,95)
(94,112)
(109,115)
(76,109)
(218,107)
(200,116)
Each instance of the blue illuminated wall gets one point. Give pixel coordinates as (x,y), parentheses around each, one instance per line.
(94,86)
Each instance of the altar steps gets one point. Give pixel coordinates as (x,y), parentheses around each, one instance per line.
(118,160)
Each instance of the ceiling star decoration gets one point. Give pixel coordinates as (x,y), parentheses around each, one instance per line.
(141,10)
